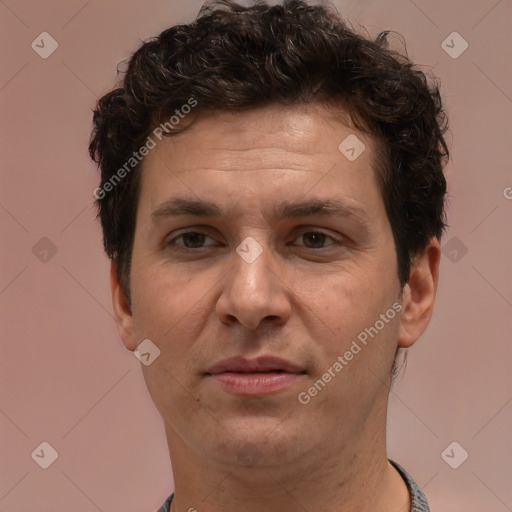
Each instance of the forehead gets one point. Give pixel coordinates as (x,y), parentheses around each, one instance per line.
(259,154)
(302,129)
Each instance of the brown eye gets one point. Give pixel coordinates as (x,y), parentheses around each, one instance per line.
(315,239)
(193,240)
(190,241)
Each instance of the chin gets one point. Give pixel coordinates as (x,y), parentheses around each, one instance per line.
(266,441)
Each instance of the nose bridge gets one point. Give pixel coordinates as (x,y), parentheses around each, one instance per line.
(253,290)
(251,268)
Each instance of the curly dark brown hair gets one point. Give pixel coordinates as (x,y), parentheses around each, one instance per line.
(234,58)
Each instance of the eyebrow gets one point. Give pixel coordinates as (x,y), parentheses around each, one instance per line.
(179,206)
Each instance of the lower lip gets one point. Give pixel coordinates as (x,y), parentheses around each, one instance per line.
(255,383)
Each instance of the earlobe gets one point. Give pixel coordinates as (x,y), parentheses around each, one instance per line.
(419,294)
(122,310)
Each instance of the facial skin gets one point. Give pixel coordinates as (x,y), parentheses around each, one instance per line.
(304,299)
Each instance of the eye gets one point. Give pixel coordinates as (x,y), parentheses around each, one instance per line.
(316,239)
(191,240)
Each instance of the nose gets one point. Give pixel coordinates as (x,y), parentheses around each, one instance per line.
(254,292)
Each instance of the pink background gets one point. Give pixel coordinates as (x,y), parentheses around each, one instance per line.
(65,376)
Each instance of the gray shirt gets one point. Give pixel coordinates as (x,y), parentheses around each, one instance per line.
(418,501)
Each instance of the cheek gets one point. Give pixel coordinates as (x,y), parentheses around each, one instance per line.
(156,297)
(170,308)
(349,299)
(356,353)
(349,307)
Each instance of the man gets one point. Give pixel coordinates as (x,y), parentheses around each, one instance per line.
(272,201)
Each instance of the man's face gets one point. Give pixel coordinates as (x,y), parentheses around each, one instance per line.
(320,280)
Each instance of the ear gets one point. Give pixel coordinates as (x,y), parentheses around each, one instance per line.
(122,310)
(419,294)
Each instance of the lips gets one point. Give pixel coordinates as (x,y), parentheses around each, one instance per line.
(260,365)
(252,377)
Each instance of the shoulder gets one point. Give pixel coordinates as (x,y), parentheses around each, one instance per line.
(167,505)
(419,501)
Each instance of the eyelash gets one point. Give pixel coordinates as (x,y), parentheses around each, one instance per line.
(171,243)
